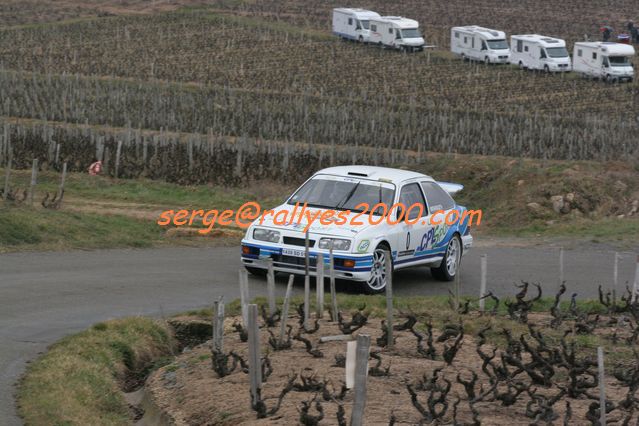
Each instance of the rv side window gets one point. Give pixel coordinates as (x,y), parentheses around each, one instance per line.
(390,31)
(542,53)
(525,48)
(520,45)
(350,21)
(472,42)
(456,35)
(373,28)
(594,55)
(580,52)
(465,40)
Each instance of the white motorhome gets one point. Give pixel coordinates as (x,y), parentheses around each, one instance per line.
(480,44)
(537,52)
(353,24)
(396,32)
(606,60)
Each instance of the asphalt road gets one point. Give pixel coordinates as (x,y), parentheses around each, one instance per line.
(44,296)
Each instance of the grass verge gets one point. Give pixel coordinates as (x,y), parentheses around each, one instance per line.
(79,380)
(102,213)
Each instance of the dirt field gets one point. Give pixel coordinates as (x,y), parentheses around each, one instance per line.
(192,394)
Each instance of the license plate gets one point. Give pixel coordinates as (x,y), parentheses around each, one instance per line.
(293,252)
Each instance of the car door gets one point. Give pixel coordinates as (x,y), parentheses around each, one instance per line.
(439,203)
(414,224)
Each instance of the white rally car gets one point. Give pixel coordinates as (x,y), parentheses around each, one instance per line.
(358,249)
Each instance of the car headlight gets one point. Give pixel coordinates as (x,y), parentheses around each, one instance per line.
(266,235)
(338,244)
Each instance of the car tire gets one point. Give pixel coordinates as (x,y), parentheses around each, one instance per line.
(258,272)
(377,282)
(447,270)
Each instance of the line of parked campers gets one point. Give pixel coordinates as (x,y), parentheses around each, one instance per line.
(605,60)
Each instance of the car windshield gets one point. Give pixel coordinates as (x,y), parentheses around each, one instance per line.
(342,195)
(557,52)
(365,24)
(619,61)
(411,33)
(497,44)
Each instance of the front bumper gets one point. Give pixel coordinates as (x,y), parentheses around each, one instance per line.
(256,255)
(503,59)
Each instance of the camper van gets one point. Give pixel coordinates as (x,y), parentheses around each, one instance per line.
(606,60)
(396,32)
(353,24)
(537,52)
(480,44)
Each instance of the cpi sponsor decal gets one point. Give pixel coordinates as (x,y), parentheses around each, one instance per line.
(433,237)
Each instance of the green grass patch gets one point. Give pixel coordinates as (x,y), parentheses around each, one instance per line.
(602,230)
(25,228)
(78,381)
(142,191)
(100,212)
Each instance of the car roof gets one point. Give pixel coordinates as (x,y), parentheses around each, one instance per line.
(373,172)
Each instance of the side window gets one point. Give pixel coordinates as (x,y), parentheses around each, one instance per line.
(594,55)
(373,28)
(520,46)
(410,196)
(456,35)
(472,42)
(542,53)
(580,53)
(483,45)
(525,48)
(390,31)
(350,21)
(398,35)
(465,40)
(606,63)
(358,25)
(438,199)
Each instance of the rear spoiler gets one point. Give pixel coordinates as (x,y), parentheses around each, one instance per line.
(451,188)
